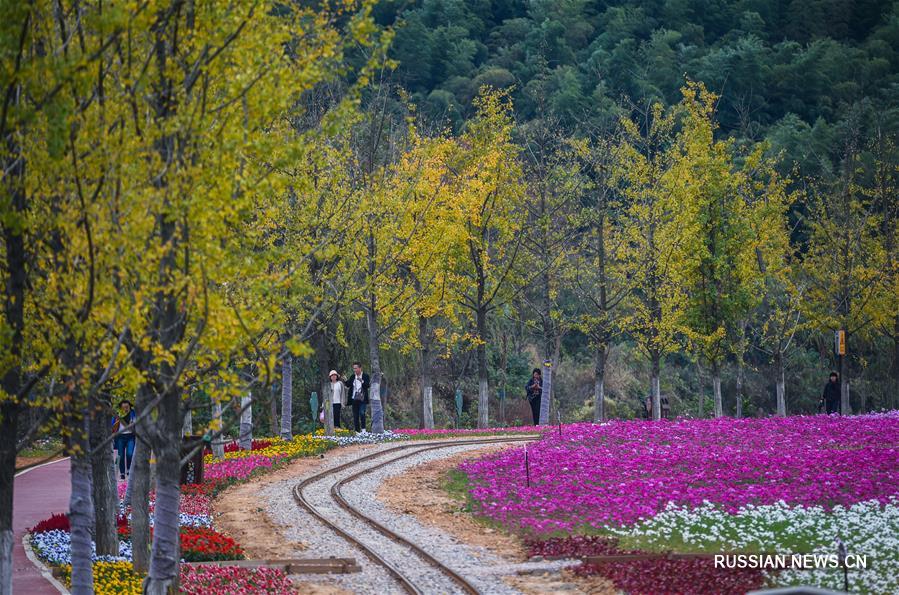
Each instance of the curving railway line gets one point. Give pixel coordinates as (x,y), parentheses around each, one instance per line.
(428,567)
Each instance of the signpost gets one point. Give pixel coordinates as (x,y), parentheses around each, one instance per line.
(546,392)
(839,342)
(458,405)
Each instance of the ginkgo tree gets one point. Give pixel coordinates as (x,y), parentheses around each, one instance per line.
(487,188)
(715,264)
(644,165)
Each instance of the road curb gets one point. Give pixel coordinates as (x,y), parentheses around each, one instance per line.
(43,568)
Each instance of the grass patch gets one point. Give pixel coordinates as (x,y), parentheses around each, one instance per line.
(456,484)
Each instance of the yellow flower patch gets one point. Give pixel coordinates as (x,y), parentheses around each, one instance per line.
(111,577)
(303,445)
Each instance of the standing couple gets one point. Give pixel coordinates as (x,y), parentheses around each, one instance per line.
(353,389)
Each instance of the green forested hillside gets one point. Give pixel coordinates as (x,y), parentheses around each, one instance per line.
(787,71)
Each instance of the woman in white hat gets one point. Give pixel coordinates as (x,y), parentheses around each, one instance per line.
(338,395)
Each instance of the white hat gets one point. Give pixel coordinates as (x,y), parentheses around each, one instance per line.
(333,373)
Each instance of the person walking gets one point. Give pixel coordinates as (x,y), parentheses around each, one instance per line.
(830,398)
(338,396)
(534,390)
(357,385)
(123,426)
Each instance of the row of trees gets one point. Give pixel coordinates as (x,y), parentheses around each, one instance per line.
(144,157)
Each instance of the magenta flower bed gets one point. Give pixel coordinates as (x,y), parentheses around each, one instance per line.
(477,431)
(615,474)
(238,468)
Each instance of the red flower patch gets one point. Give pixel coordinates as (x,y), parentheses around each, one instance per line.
(652,575)
(200,544)
(56,522)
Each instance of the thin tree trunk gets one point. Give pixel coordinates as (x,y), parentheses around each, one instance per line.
(9,418)
(656,386)
(138,497)
(844,382)
(716,390)
(166,552)
(741,370)
(427,404)
(483,378)
(323,359)
(246,421)
(218,443)
(103,479)
(273,411)
(599,384)
(81,511)
(893,398)
(287,395)
(187,428)
(780,388)
(374,353)
(701,389)
(15,283)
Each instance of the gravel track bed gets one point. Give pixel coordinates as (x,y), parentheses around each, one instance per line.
(478,565)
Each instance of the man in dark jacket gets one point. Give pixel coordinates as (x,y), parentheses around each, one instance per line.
(830,399)
(357,387)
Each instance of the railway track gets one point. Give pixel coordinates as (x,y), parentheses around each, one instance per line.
(406,583)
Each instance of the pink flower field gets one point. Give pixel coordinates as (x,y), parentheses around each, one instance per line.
(618,473)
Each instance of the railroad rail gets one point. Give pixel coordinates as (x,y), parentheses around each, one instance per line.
(405,582)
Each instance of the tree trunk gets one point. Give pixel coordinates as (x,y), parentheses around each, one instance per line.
(895,394)
(138,493)
(483,378)
(246,421)
(9,418)
(599,384)
(374,353)
(323,359)
(166,552)
(287,395)
(844,382)
(81,512)
(741,380)
(780,384)
(15,282)
(273,411)
(187,428)
(656,359)
(716,390)
(427,404)
(218,443)
(103,479)
(138,497)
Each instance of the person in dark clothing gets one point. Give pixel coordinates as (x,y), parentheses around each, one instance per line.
(830,399)
(357,386)
(534,389)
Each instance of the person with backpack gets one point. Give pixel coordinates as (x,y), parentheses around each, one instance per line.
(358,385)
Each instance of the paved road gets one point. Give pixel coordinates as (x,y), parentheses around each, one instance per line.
(39,492)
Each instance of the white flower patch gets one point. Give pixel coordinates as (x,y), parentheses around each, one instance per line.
(365,438)
(55,547)
(867,529)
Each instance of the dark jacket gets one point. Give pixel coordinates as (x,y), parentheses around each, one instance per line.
(831,397)
(366,382)
(533,388)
